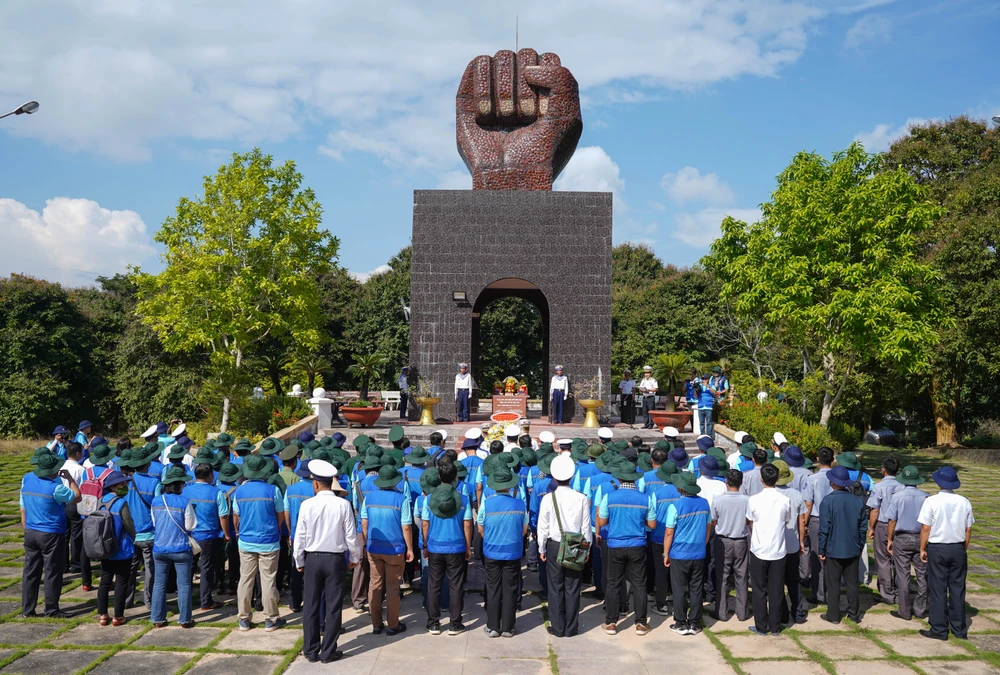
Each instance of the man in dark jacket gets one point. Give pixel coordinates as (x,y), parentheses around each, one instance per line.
(842,529)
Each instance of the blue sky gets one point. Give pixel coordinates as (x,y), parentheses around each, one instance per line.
(690,107)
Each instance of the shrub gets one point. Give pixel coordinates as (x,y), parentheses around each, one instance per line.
(762,420)
(986,436)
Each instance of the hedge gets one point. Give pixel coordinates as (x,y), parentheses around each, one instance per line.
(763,419)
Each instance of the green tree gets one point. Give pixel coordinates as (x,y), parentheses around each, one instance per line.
(241,265)
(338,296)
(833,266)
(669,371)
(45,358)
(367,368)
(958,161)
(510,332)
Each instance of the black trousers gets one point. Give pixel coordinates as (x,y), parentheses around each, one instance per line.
(564,593)
(438,565)
(462,405)
(833,569)
(710,567)
(947,565)
(648,403)
(75,538)
(118,572)
(686,578)
(233,558)
(48,551)
(503,581)
(325,576)
(626,563)
(793,583)
(628,409)
(207,566)
(284,559)
(661,576)
(766,577)
(295,589)
(402,404)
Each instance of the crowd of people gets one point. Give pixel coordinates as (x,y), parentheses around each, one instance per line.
(668,529)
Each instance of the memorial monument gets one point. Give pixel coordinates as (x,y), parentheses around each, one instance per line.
(517,125)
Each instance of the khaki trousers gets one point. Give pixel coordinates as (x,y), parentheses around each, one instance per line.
(386,572)
(267,563)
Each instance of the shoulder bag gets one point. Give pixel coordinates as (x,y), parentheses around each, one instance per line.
(573,546)
(195,546)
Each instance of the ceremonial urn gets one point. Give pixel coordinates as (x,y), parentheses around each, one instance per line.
(427,404)
(591,405)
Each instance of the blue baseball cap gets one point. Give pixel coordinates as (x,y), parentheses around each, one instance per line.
(59,430)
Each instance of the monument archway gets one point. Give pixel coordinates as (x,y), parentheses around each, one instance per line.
(499,290)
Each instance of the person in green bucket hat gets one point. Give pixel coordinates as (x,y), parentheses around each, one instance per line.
(386,521)
(627,513)
(645,463)
(153,451)
(174,521)
(849,460)
(240,450)
(503,524)
(447,535)
(904,528)
(38,453)
(101,455)
(685,539)
(178,455)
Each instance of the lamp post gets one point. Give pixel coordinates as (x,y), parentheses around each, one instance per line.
(996,119)
(27,109)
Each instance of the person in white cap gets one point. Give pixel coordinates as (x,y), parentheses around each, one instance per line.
(777,441)
(565,445)
(558,390)
(324,533)
(511,433)
(475,434)
(605,435)
(648,387)
(546,437)
(627,389)
(671,433)
(574,516)
(463,389)
(733,459)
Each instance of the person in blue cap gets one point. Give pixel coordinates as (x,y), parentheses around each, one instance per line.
(945,532)
(306,437)
(842,528)
(43,503)
(60,437)
(84,432)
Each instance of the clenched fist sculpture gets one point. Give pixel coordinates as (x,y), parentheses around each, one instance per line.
(518,120)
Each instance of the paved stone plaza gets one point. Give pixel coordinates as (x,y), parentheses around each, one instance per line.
(880,644)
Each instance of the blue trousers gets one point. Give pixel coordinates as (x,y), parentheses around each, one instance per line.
(462,405)
(558,398)
(182,564)
(705,420)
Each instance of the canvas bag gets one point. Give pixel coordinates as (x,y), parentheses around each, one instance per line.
(573,546)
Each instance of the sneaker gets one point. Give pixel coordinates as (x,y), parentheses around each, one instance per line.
(753,629)
(397,630)
(274,625)
(244,624)
(490,633)
(660,611)
(642,629)
(377,630)
(434,627)
(610,629)
(361,609)
(404,585)
(679,628)
(456,628)
(693,629)
(507,634)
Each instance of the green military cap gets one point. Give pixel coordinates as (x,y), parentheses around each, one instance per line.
(388,476)
(271,446)
(205,456)
(503,479)
(255,467)
(175,474)
(291,451)
(395,433)
(48,465)
(445,501)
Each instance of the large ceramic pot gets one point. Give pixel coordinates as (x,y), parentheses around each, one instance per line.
(591,405)
(671,418)
(365,417)
(427,414)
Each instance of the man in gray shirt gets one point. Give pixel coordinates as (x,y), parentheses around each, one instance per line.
(752,483)
(732,549)
(800,465)
(878,528)
(794,546)
(903,543)
(815,489)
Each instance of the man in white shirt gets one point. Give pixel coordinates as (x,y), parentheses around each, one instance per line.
(574,516)
(648,387)
(769,513)
(711,487)
(627,388)
(324,533)
(734,458)
(74,452)
(558,390)
(945,532)
(463,389)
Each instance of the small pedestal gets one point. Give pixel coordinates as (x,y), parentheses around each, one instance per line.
(323,407)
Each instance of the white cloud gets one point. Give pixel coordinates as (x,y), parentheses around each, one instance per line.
(116,76)
(867,30)
(591,169)
(71,241)
(689,185)
(365,276)
(455,180)
(700,229)
(884,135)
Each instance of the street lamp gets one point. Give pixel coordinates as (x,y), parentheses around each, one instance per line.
(27,109)
(996,119)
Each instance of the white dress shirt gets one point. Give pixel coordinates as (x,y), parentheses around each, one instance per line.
(326,525)
(948,515)
(574,510)
(626,386)
(648,386)
(559,383)
(710,488)
(733,460)
(75,470)
(771,514)
(463,382)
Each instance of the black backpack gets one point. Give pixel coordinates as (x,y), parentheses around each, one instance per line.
(858,489)
(100,541)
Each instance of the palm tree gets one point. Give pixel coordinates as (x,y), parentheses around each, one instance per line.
(367,367)
(274,365)
(672,369)
(312,365)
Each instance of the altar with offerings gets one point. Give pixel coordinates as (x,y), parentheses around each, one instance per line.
(511,398)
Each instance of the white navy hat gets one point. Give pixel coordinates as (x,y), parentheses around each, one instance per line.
(739,436)
(547,437)
(559,368)
(647,369)
(562,467)
(444,434)
(474,433)
(605,433)
(671,432)
(779,438)
(179,431)
(463,365)
(565,441)
(512,430)
(323,469)
(150,432)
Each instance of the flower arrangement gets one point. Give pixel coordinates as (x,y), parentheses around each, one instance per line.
(510,385)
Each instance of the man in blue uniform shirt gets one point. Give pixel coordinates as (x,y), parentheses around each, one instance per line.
(503,523)
(447,529)
(211,509)
(685,542)
(386,522)
(663,492)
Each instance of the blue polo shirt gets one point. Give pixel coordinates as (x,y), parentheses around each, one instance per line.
(688,517)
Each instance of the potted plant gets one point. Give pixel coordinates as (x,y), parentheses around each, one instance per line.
(588,394)
(366,367)
(423,394)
